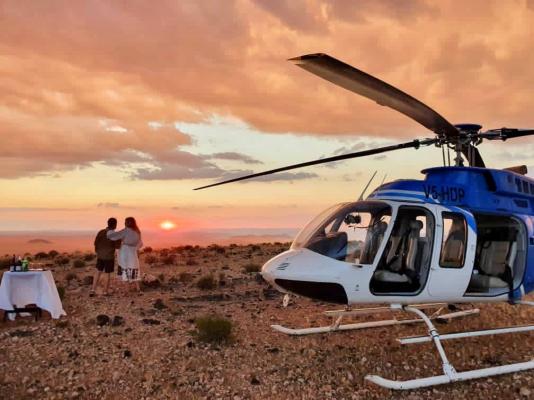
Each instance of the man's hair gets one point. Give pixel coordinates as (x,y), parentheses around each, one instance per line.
(112,222)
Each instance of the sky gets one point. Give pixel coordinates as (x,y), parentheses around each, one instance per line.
(123,107)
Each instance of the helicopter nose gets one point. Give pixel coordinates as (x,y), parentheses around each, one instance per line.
(272,268)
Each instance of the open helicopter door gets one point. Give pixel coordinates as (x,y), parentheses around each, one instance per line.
(454,253)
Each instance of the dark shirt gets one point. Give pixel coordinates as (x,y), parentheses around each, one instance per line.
(104,248)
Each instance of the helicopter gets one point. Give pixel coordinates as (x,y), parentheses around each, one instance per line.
(462,235)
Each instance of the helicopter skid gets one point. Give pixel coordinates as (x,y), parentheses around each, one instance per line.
(340,314)
(450,374)
(456,377)
(345,327)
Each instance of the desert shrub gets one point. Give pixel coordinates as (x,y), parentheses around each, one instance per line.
(53,253)
(222,279)
(41,255)
(62,260)
(147,249)
(185,277)
(251,268)
(217,249)
(5,262)
(89,257)
(169,259)
(78,263)
(151,259)
(71,276)
(213,329)
(61,292)
(161,277)
(188,247)
(206,282)
(191,261)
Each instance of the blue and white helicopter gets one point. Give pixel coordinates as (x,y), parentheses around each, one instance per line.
(463,234)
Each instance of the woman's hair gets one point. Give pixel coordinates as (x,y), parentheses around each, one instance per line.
(130,223)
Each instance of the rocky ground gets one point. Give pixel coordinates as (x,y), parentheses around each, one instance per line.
(146,350)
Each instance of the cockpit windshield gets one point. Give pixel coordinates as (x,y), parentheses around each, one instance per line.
(350,232)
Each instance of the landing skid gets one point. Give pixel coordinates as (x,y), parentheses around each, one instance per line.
(340,314)
(450,374)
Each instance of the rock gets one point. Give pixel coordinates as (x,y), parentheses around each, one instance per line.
(127,353)
(20,333)
(117,321)
(254,380)
(159,305)
(525,392)
(150,321)
(61,323)
(150,281)
(102,320)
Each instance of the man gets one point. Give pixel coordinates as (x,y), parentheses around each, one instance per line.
(105,256)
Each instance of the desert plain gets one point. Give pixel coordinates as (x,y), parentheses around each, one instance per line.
(144,346)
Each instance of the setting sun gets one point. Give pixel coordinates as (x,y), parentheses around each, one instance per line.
(167,225)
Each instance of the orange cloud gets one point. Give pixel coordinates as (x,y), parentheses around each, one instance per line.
(80,81)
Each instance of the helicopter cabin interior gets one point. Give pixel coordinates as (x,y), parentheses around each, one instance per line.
(500,256)
(405,262)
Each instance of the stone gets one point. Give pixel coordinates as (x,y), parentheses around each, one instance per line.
(150,321)
(150,281)
(117,321)
(102,320)
(159,305)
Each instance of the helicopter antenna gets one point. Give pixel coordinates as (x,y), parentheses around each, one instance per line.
(383,179)
(366,186)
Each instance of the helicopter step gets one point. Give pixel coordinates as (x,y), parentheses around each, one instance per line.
(340,314)
(450,374)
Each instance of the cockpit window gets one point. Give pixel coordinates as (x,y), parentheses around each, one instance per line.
(350,232)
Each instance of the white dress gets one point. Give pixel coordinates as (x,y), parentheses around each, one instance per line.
(128,259)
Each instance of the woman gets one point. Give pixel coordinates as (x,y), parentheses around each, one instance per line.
(131,242)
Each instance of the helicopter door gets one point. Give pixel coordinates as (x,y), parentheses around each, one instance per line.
(454,252)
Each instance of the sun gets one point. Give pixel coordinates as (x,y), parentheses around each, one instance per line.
(167,225)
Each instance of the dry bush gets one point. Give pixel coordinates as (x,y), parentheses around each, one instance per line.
(185,277)
(151,259)
(213,329)
(53,253)
(169,259)
(62,260)
(41,255)
(217,249)
(191,262)
(89,257)
(206,282)
(78,263)
(5,262)
(251,268)
(71,276)
(147,249)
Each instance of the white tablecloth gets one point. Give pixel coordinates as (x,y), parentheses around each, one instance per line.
(31,287)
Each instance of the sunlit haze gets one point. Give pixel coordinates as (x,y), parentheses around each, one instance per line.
(122,108)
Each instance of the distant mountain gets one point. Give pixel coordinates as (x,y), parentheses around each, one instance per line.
(39,241)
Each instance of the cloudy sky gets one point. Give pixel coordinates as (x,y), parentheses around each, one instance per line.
(122,107)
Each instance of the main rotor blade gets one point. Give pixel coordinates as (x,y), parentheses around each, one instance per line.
(506,133)
(357,81)
(370,152)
